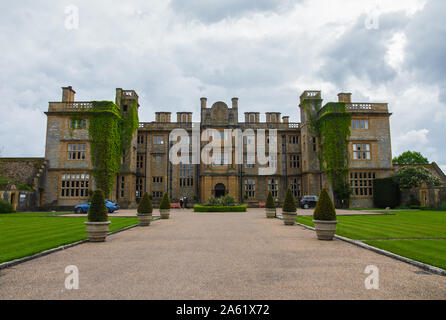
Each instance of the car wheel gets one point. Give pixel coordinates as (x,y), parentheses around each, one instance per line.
(78,210)
(306,206)
(110,211)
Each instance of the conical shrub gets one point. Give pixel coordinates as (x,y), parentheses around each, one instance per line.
(98,210)
(145,205)
(270,201)
(165,202)
(289,204)
(325,209)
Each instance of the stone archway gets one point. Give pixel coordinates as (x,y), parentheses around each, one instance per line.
(219,190)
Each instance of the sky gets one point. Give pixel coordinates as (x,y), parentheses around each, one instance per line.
(264,52)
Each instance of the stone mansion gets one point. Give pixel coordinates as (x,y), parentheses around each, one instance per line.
(65,174)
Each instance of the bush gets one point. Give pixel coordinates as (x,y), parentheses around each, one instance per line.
(413,177)
(325,209)
(442,205)
(98,210)
(5,207)
(226,200)
(270,201)
(386,193)
(24,187)
(414,202)
(165,202)
(145,205)
(289,204)
(201,208)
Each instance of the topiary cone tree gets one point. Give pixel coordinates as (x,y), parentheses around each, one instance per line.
(325,210)
(98,210)
(145,205)
(324,217)
(289,209)
(270,201)
(165,207)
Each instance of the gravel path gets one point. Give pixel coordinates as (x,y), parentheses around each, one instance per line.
(217,256)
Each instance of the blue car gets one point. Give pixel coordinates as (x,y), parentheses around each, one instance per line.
(83,208)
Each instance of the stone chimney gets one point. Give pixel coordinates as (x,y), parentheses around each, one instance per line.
(234,103)
(345,97)
(203,102)
(68,94)
(285,119)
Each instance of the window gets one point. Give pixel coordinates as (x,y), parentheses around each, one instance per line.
(157,194)
(140,139)
(273,186)
(294,161)
(361,151)
(360,123)
(122,186)
(252,118)
(74,185)
(273,139)
(157,179)
(220,159)
(76,151)
(361,183)
(186,175)
(157,158)
(139,187)
(250,161)
(293,139)
(273,161)
(295,187)
(314,144)
(158,139)
(78,123)
(140,161)
(250,188)
(249,140)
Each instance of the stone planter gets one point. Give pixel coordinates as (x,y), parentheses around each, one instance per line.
(289,218)
(97,231)
(144,219)
(325,230)
(164,213)
(270,212)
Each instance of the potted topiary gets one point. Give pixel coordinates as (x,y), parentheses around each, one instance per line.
(289,209)
(97,224)
(165,207)
(270,208)
(324,217)
(145,210)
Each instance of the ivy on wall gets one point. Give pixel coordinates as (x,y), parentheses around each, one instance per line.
(331,124)
(110,135)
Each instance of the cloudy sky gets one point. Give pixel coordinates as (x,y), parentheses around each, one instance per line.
(265,52)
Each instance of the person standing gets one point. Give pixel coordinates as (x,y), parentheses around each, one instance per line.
(181,202)
(185,202)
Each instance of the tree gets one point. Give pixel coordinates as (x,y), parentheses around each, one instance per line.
(145,205)
(325,209)
(289,204)
(410,157)
(413,177)
(98,210)
(270,201)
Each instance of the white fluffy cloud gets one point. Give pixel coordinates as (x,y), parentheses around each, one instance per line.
(265,52)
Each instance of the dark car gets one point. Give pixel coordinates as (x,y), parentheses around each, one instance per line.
(308,202)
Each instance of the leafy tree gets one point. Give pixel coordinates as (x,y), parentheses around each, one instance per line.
(413,177)
(6,207)
(165,202)
(98,210)
(410,157)
(289,204)
(145,205)
(325,209)
(270,201)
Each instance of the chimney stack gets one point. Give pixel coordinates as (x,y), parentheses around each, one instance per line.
(234,103)
(285,119)
(345,97)
(203,102)
(68,94)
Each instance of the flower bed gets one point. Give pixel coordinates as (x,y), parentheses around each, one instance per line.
(201,208)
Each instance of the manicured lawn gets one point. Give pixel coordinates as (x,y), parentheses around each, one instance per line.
(23,234)
(416,227)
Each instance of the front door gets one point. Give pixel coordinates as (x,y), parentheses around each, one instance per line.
(220,190)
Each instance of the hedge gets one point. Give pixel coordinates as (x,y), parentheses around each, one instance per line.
(201,208)
(386,193)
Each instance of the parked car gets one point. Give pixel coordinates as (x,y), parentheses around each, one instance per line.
(83,208)
(308,202)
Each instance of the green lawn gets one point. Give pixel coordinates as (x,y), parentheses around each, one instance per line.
(23,234)
(415,227)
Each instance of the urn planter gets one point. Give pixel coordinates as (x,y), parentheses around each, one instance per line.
(97,231)
(164,213)
(289,218)
(325,230)
(144,219)
(270,212)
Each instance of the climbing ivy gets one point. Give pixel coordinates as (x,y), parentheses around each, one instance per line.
(331,125)
(129,124)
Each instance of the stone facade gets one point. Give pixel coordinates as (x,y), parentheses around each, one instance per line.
(146,165)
